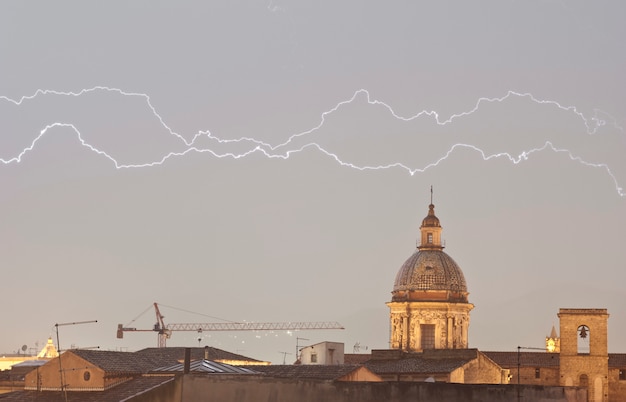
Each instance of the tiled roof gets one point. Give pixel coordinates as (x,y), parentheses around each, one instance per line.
(356,358)
(526,359)
(117,362)
(617,360)
(415,365)
(115,394)
(429,361)
(171,356)
(544,359)
(150,359)
(308,371)
(207,366)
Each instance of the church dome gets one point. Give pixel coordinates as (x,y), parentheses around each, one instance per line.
(430,274)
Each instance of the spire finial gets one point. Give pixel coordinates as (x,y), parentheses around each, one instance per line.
(431,193)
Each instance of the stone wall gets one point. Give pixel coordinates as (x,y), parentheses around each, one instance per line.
(617,387)
(528,375)
(169,392)
(483,370)
(219,388)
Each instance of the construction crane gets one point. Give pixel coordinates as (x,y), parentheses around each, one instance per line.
(164,332)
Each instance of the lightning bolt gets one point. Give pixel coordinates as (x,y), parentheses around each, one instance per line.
(592,125)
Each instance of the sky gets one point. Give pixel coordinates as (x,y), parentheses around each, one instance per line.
(272,161)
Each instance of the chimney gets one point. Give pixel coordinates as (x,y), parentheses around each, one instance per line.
(187,365)
(206,353)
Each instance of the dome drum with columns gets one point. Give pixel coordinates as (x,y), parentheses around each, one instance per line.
(429,308)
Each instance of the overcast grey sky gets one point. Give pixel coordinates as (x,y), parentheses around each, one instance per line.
(284,157)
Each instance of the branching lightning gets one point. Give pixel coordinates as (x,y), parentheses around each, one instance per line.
(281,151)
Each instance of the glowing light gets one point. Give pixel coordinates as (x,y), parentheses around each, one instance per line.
(592,125)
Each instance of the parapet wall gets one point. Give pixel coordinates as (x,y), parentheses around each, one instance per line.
(260,389)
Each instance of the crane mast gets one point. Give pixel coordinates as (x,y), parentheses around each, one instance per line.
(164,331)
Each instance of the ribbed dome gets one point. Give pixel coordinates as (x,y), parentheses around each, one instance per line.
(430,275)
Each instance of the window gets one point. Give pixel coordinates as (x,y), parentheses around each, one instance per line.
(428,336)
(537,373)
(313,357)
(430,238)
(622,374)
(583,381)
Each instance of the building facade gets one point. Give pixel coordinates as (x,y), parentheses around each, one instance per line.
(323,353)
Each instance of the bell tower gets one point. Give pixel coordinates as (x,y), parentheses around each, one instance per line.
(553,342)
(584,358)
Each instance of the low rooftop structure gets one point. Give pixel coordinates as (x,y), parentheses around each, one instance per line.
(321,372)
(469,366)
(207,367)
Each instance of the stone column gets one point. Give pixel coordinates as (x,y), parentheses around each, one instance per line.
(450,332)
(405,332)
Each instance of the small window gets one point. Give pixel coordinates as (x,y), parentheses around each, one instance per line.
(583,381)
(86,375)
(430,238)
(428,336)
(313,357)
(622,374)
(537,373)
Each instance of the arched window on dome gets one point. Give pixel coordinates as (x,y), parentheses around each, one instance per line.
(429,238)
(583,335)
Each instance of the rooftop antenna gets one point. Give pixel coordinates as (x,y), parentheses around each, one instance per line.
(357,348)
(284,356)
(298,346)
(61,371)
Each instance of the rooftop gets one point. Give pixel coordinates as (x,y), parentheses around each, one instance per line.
(118,393)
(544,359)
(208,366)
(308,371)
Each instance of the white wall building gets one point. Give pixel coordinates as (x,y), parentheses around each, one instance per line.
(322,353)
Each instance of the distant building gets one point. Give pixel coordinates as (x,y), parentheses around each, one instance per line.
(49,351)
(553,342)
(13,368)
(323,353)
